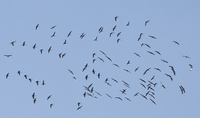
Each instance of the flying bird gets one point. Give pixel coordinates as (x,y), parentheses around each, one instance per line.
(101,59)
(146,71)
(41,50)
(43,83)
(109,58)
(7,75)
(143,80)
(182,89)
(25,76)
(12,43)
(34,101)
(116,17)
(127,70)
(23,43)
(157,69)
(173,69)
(69,34)
(36,27)
(128,62)
(136,94)
(128,24)
(136,69)
(118,34)
(119,98)
(114,80)
(95,38)
(114,27)
(53,27)
(79,107)
(49,49)
(158,52)
(118,40)
(34,46)
(19,72)
(150,52)
(146,22)
(162,85)
(153,37)
(100,29)
(48,97)
(33,95)
(70,71)
(191,67)
(8,55)
(53,34)
(111,34)
(51,105)
(153,101)
(115,65)
(176,42)
(140,36)
(169,76)
(186,56)
(37,82)
(137,54)
(164,61)
(65,42)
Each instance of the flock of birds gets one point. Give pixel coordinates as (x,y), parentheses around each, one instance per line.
(148,84)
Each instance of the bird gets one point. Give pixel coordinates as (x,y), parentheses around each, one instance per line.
(54,33)
(128,24)
(93,55)
(19,72)
(153,37)
(96,38)
(136,94)
(101,59)
(7,75)
(93,71)
(100,29)
(43,83)
(34,101)
(13,43)
(136,69)
(51,105)
(65,42)
(84,94)
(114,27)
(123,91)
(85,67)
(143,80)
(33,95)
(140,36)
(162,85)
(158,52)
(30,79)
(127,70)
(8,55)
(111,34)
(153,101)
(127,99)
(82,35)
(69,34)
(36,27)
(34,46)
(176,42)
(98,75)
(115,65)
(109,58)
(186,56)
(116,17)
(146,71)
(182,89)
(153,77)
(143,85)
(119,98)
(114,80)
(63,55)
(109,96)
(25,76)
(93,60)
(143,96)
(79,107)
(53,27)
(173,69)
(48,97)
(146,22)
(86,77)
(41,50)
(70,71)
(164,61)
(169,76)
(128,62)
(150,52)
(137,54)
(157,69)
(49,49)
(118,40)
(23,43)
(37,82)
(118,34)
(78,103)
(191,67)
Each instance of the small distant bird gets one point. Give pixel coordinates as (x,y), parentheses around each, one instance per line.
(19,72)
(93,55)
(173,69)
(41,50)
(146,71)
(95,38)
(146,22)
(116,65)
(118,40)
(8,55)
(153,77)
(186,56)
(70,71)
(34,46)
(118,34)
(114,80)
(53,27)
(34,101)
(7,75)
(182,89)
(101,59)
(128,24)
(150,52)
(176,42)
(37,82)
(127,70)
(49,49)
(157,69)
(100,29)
(65,42)
(143,80)
(109,58)
(79,107)
(143,96)
(136,94)
(136,69)
(164,61)
(36,26)
(60,55)
(30,79)
(111,34)
(23,43)
(116,17)
(93,71)
(99,75)
(48,97)
(109,96)
(12,43)
(33,95)
(162,85)
(140,36)
(119,98)
(25,76)
(82,35)
(86,77)
(53,34)
(43,83)
(153,101)
(128,62)
(169,76)
(191,67)
(153,37)
(63,55)
(137,54)
(84,94)
(85,67)
(143,85)
(51,105)
(114,27)
(78,103)
(69,34)
(123,91)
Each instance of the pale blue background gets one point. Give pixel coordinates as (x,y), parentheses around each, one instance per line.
(170,20)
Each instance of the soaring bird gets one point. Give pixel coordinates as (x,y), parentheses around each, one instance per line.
(114,80)
(143,96)
(157,69)
(19,72)
(109,58)
(140,36)
(109,96)
(146,71)
(162,85)
(41,50)
(36,27)
(150,52)
(119,98)
(54,33)
(65,42)
(23,43)
(111,34)
(34,101)
(33,95)
(191,67)
(118,40)
(143,85)
(8,55)
(137,54)
(101,59)
(146,22)
(186,56)
(164,61)
(85,67)
(53,27)
(82,35)
(86,77)
(123,91)
(115,65)
(49,49)
(114,27)
(173,69)
(158,52)
(96,38)
(143,80)
(79,107)
(63,55)
(100,29)
(128,24)
(7,75)
(169,76)
(118,34)
(34,46)
(153,37)
(48,97)
(12,43)
(69,34)
(176,42)
(25,76)
(43,83)
(153,101)
(51,105)
(98,75)
(136,94)
(116,17)
(37,82)
(182,89)
(153,77)
(70,71)
(30,79)
(127,70)
(136,69)
(128,62)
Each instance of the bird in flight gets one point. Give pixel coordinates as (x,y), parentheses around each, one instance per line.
(23,43)
(137,54)
(53,34)
(51,105)
(7,75)
(48,97)
(146,71)
(41,50)
(116,17)
(128,24)
(186,56)
(173,69)
(182,89)
(176,42)
(79,107)
(191,67)
(19,72)
(69,34)
(158,52)
(169,76)
(153,37)
(53,27)
(146,22)
(140,36)
(7,55)
(12,43)
(49,49)
(34,46)
(36,27)
(114,27)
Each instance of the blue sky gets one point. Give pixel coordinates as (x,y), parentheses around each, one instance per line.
(169,21)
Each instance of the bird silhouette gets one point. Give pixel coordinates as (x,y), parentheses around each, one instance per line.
(54,33)
(36,27)
(53,27)
(146,22)
(48,97)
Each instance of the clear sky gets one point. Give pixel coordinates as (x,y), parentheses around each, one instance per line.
(169,21)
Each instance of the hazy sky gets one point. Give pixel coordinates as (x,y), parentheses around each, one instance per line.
(169,21)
